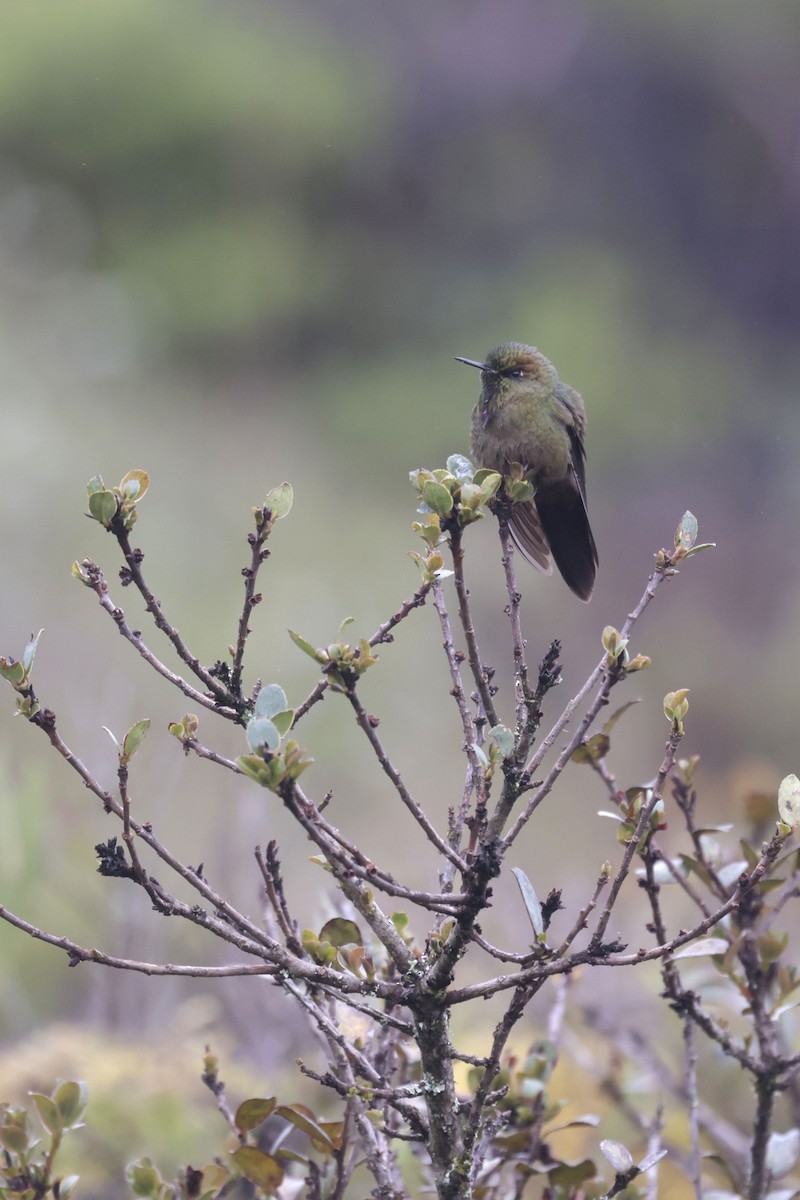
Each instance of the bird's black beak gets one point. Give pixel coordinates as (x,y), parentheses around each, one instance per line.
(471,363)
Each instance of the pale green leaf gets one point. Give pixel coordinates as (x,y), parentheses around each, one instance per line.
(530,900)
(789,800)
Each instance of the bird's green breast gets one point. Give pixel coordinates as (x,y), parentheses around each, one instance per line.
(521,428)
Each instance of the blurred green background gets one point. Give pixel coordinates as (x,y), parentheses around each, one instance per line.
(242,243)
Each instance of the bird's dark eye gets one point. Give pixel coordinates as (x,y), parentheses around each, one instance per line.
(514,373)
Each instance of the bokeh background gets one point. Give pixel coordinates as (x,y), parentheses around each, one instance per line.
(241,243)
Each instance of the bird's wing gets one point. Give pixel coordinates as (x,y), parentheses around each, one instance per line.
(574,421)
(526,530)
(578,457)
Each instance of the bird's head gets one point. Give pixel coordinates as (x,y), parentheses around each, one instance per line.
(513,369)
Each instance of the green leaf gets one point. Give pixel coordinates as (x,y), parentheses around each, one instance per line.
(113,738)
(134,485)
(71,1098)
(789,800)
(252,1112)
(471,496)
(262,732)
(270,700)
(437,496)
(530,900)
(261,1169)
(67,1186)
(460,466)
(303,1119)
(215,1176)
(279,500)
(134,737)
(143,1179)
(783,1151)
(703,948)
(489,483)
(255,768)
(347,621)
(79,573)
(593,749)
(48,1112)
(12,670)
(613,642)
(676,705)
(650,1160)
(618,1155)
(29,652)
(14,1139)
(312,652)
(95,484)
(341,932)
(283,721)
(504,739)
(103,507)
(480,754)
(686,533)
(519,491)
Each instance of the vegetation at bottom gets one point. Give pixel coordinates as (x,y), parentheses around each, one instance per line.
(403,1104)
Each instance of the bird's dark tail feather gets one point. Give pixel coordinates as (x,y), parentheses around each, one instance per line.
(566,525)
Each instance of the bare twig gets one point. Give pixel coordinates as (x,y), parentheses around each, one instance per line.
(521,686)
(258,555)
(382,635)
(480,674)
(690,1050)
(367,725)
(133,559)
(78,954)
(99,586)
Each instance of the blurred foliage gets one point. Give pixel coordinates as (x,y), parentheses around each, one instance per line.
(145,1096)
(242,242)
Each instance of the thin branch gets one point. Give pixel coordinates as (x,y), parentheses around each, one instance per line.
(381,636)
(681,880)
(367,726)
(234,927)
(192,744)
(760,1177)
(217,1088)
(360,1062)
(78,954)
(519,1002)
(133,559)
(480,674)
(251,597)
(162,902)
(582,919)
(690,1050)
(269,867)
(659,574)
(307,815)
(99,586)
(522,689)
(475,781)
(502,812)
(635,841)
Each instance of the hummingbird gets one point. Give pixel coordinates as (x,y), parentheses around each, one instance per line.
(526,415)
